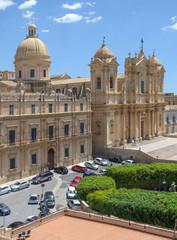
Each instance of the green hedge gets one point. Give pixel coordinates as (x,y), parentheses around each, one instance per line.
(91,184)
(143,173)
(151,207)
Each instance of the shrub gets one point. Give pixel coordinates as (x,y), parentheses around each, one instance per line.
(138,174)
(151,207)
(91,184)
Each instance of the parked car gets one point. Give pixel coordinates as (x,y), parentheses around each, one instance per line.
(127,162)
(75,181)
(61,170)
(16,224)
(32,218)
(79,168)
(49,197)
(71,193)
(116,159)
(101,161)
(34,199)
(91,165)
(102,171)
(89,174)
(20,185)
(4,189)
(4,209)
(44,176)
(74,204)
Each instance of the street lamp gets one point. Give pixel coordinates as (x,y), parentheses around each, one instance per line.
(162,180)
(42,195)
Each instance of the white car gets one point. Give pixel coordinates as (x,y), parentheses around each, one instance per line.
(4,189)
(91,165)
(101,161)
(20,185)
(127,162)
(71,193)
(34,199)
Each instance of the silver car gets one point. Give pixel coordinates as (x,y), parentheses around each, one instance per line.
(20,185)
(91,165)
(101,161)
(34,199)
(71,193)
(4,189)
(127,162)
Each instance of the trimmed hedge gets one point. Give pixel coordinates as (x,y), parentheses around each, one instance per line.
(151,207)
(91,184)
(138,174)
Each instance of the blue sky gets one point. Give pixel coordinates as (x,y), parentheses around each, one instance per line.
(73,31)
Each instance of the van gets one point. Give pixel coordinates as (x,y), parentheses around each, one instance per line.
(44,176)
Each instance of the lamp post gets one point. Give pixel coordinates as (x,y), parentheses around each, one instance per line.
(162,180)
(42,195)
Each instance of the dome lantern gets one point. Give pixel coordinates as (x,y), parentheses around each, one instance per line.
(32,30)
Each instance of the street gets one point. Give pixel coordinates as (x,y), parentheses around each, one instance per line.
(18,201)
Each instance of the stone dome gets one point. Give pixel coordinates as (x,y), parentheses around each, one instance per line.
(32,47)
(103,52)
(155,61)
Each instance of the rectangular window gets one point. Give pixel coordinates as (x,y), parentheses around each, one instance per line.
(81,107)
(33,159)
(11,109)
(173,102)
(66,129)
(12,137)
(44,73)
(66,107)
(33,108)
(50,108)
(20,74)
(142,86)
(66,152)
(33,134)
(82,148)
(50,132)
(81,127)
(169,102)
(12,163)
(32,73)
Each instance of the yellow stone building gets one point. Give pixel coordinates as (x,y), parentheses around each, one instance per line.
(49,121)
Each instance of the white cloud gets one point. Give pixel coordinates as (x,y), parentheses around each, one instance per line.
(91,13)
(45,30)
(72,7)
(5,4)
(27,4)
(69,18)
(90,4)
(173,27)
(173,18)
(28,14)
(94,20)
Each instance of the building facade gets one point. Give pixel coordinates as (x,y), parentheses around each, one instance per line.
(47,121)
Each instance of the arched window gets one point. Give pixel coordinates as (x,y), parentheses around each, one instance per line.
(174,119)
(111,82)
(142,86)
(98,83)
(167,119)
(75,91)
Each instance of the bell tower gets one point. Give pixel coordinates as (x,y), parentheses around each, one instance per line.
(103,70)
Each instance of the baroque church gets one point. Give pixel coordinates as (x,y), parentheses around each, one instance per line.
(47,121)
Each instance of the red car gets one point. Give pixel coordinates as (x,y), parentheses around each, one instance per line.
(79,168)
(75,181)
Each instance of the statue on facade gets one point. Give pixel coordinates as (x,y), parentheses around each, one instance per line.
(173,187)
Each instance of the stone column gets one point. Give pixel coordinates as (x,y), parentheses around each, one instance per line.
(139,126)
(157,122)
(123,140)
(152,130)
(149,124)
(135,125)
(130,126)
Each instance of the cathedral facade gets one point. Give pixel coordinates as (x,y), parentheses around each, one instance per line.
(47,121)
